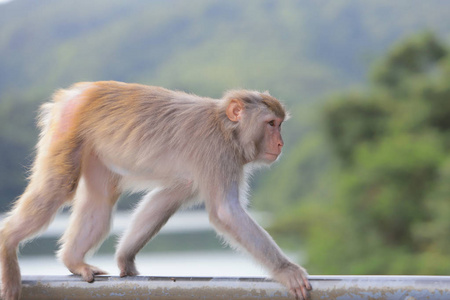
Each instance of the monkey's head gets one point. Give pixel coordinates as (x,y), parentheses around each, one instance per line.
(258,118)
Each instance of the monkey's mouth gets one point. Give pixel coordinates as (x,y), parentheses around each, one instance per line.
(272,154)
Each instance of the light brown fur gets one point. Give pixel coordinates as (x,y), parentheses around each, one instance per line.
(98,139)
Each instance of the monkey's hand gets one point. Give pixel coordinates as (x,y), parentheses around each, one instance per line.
(295,278)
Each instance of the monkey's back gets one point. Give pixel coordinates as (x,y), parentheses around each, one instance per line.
(124,122)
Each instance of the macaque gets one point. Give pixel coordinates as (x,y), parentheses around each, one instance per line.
(101,138)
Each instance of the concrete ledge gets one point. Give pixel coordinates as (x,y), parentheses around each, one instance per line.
(324,287)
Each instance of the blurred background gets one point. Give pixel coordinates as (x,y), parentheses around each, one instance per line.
(363,185)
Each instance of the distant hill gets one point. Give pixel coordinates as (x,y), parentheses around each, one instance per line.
(299,50)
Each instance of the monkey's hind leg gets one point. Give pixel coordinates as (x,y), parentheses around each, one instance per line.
(32,214)
(47,191)
(91,217)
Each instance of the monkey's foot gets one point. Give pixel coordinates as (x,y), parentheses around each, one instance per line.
(127,268)
(128,273)
(87,272)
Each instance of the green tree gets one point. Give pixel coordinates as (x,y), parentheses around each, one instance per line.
(417,56)
(352,121)
(390,208)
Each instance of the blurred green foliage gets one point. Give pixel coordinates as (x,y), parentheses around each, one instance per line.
(362,186)
(298,50)
(383,206)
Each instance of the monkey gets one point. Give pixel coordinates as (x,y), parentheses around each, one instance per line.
(98,139)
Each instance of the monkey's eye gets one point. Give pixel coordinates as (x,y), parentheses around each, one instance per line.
(272,123)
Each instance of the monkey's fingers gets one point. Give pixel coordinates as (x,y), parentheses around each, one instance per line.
(88,272)
(128,273)
(306,282)
(297,289)
(295,278)
(303,288)
(127,268)
(300,291)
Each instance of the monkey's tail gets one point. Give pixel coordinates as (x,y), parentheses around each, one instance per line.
(50,113)
(45,116)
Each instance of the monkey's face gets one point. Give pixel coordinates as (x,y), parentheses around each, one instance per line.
(272,141)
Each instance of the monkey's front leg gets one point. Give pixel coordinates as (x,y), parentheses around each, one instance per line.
(231,219)
(151,214)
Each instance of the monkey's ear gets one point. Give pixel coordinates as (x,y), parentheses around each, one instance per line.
(234,110)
